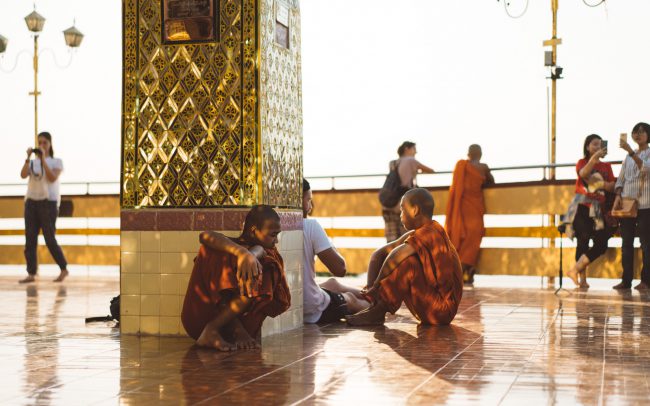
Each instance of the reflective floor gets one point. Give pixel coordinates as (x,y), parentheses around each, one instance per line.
(507,346)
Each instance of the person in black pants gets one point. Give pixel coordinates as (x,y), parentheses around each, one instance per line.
(590,211)
(634,183)
(41,205)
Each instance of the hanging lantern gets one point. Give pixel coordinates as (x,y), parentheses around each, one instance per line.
(73,37)
(35,22)
(3,44)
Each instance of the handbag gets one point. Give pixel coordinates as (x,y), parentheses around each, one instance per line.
(630,206)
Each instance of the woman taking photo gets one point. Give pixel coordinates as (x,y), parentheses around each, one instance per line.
(634,183)
(589,212)
(42,205)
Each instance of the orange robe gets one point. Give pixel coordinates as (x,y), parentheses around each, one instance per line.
(214,279)
(430,282)
(465,210)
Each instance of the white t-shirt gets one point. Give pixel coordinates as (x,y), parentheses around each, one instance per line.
(38,187)
(315,300)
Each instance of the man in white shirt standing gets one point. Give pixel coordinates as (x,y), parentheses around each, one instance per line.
(331,301)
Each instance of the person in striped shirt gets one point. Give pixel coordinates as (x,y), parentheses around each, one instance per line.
(634,182)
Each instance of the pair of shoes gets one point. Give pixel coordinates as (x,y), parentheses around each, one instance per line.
(622,286)
(642,286)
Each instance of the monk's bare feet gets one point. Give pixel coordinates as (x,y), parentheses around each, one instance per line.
(211,338)
(372,316)
(242,339)
(28,279)
(64,274)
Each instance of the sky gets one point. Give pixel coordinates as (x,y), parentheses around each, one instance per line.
(375,73)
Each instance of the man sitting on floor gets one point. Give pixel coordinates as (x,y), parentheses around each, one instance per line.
(331,301)
(236,284)
(421,269)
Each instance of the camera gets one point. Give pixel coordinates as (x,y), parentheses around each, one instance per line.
(36,151)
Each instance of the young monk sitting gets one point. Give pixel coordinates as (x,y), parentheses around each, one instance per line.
(421,269)
(236,284)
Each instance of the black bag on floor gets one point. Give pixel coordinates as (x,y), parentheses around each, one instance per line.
(115,312)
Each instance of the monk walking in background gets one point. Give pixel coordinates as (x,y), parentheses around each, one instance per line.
(236,284)
(420,269)
(465,209)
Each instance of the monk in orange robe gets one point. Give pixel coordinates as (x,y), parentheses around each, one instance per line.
(465,209)
(236,284)
(420,269)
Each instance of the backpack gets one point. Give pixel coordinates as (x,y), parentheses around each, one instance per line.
(114,309)
(392,191)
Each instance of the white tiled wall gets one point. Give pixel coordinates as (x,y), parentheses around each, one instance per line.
(155,270)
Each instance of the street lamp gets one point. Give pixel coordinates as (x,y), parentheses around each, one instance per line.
(35,23)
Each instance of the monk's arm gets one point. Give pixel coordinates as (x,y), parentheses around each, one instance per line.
(489,179)
(248,265)
(396,257)
(379,256)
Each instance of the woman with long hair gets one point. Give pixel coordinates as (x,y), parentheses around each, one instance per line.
(408,168)
(42,205)
(590,213)
(634,183)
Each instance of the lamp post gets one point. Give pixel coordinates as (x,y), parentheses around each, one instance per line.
(35,23)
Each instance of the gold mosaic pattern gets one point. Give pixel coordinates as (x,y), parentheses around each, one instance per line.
(187,140)
(190,131)
(280,109)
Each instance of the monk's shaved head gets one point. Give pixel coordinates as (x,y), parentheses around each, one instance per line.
(474,152)
(258,216)
(421,198)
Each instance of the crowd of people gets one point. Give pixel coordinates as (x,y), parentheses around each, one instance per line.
(237,282)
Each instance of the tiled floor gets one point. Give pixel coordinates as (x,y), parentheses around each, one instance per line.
(508,346)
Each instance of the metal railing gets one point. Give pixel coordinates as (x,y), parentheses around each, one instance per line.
(113,188)
(546,169)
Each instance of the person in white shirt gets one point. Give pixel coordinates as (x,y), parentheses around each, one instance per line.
(331,301)
(42,205)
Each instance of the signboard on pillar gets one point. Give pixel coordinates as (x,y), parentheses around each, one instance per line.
(282,16)
(189,21)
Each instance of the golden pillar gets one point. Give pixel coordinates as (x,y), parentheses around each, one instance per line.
(211,125)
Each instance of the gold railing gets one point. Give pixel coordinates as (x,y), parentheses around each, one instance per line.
(543,198)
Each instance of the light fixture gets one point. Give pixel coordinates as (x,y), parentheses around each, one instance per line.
(73,37)
(35,22)
(3,44)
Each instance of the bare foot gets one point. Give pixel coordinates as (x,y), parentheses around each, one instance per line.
(211,338)
(372,316)
(64,274)
(573,274)
(242,339)
(28,279)
(583,280)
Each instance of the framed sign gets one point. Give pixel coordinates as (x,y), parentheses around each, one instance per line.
(187,21)
(282,23)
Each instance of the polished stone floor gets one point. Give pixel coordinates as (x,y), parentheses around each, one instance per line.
(507,346)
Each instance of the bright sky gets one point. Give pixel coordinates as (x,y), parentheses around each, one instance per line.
(375,73)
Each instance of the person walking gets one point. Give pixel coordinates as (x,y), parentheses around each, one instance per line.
(633,183)
(589,213)
(42,205)
(408,168)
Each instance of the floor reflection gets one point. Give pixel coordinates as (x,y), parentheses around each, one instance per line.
(41,345)
(507,346)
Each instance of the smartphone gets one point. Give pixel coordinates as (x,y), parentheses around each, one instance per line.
(623,137)
(603,144)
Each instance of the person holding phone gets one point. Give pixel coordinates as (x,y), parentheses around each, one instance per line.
(42,205)
(590,211)
(634,183)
